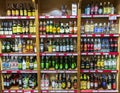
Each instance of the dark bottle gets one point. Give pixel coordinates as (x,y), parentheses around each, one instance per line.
(57,46)
(4,47)
(95,81)
(82,63)
(8,48)
(104,82)
(8,81)
(85,45)
(17,11)
(91,81)
(67,45)
(99,81)
(47,63)
(109,81)
(21,9)
(75,82)
(71,45)
(66,66)
(13,10)
(42,63)
(91,63)
(114,82)
(87,63)
(69,82)
(115,45)
(88,45)
(100,10)
(64,83)
(9,12)
(41,46)
(19,63)
(64,46)
(20,81)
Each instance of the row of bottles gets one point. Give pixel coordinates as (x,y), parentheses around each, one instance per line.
(102,8)
(19,63)
(99,62)
(21,9)
(17,27)
(98,81)
(52,27)
(58,45)
(18,45)
(59,81)
(22,81)
(99,45)
(99,28)
(58,63)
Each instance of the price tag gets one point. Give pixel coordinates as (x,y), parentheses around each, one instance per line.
(19,91)
(64,16)
(112,17)
(27,91)
(25,36)
(90,53)
(13,91)
(114,71)
(100,71)
(85,70)
(66,36)
(51,16)
(42,17)
(97,53)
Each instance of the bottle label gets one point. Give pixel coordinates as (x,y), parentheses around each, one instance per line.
(25,12)
(57,48)
(17,13)
(71,29)
(21,12)
(47,28)
(14,30)
(62,30)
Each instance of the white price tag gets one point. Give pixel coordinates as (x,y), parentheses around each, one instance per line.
(113,17)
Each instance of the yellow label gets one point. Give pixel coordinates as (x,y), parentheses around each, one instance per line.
(17,12)
(8,12)
(102,64)
(21,12)
(23,29)
(33,13)
(13,13)
(14,30)
(92,28)
(63,85)
(108,10)
(34,29)
(54,30)
(47,28)
(25,12)
(31,29)
(27,48)
(27,30)
(50,49)
(27,64)
(31,48)
(58,30)
(19,29)
(29,13)
(51,28)
(99,64)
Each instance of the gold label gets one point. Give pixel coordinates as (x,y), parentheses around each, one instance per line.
(17,12)
(21,12)
(8,12)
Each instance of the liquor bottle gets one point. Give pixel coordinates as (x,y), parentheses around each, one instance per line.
(27,62)
(64,83)
(23,64)
(47,27)
(67,29)
(31,29)
(91,81)
(17,11)
(66,66)
(20,82)
(75,82)
(51,27)
(61,63)
(114,62)
(92,8)
(62,28)
(73,63)
(31,63)
(114,82)
(109,81)
(47,63)
(88,9)
(104,82)
(96,9)
(112,9)
(13,10)
(56,63)
(87,27)
(69,82)
(46,81)
(8,10)
(96,81)
(75,27)
(88,82)
(105,8)
(14,27)
(71,27)
(54,46)
(50,46)
(91,27)
(21,9)
(59,81)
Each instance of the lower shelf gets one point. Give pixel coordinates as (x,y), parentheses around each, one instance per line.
(20,91)
(59,91)
(99,91)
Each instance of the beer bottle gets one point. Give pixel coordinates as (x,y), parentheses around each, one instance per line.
(19,63)
(73,64)
(50,47)
(104,82)
(114,82)
(4,45)
(57,46)
(75,82)
(66,64)
(56,63)
(71,45)
(31,30)
(20,82)
(23,64)
(51,27)
(42,63)
(13,10)
(64,85)
(29,11)
(59,81)
(61,63)
(109,81)
(48,27)
(88,82)
(9,10)
(47,63)
(62,30)
(53,61)
(35,64)
(14,27)
(69,82)
(25,9)
(91,81)
(21,9)
(54,46)
(17,11)
(27,63)
(95,82)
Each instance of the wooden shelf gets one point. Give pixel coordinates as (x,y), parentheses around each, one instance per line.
(99,91)
(99,53)
(58,54)
(99,71)
(18,71)
(100,35)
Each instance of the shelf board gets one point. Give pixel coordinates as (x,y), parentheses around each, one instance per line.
(20,91)
(17,36)
(100,35)
(58,54)
(58,36)
(58,71)
(17,17)
(18,54)
(58,17)
(99,71)
(99,91)
(98,16)
(18,71)
(99,53)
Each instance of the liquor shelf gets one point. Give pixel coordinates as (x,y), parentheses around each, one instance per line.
(56,36)
(17,17)
(99,91)
(20,91)
(56,17)
(99,53)
(17,36)
(17,54)
(99,71)
(18,71)
(58,54)
(58,71)
(100,35)
(99,16)
(59,91)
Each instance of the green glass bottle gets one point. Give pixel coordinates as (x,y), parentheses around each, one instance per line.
(56,63)
(66,64)
(73,61)
(42,64)
(53,61)
(61,63)
(47,63)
